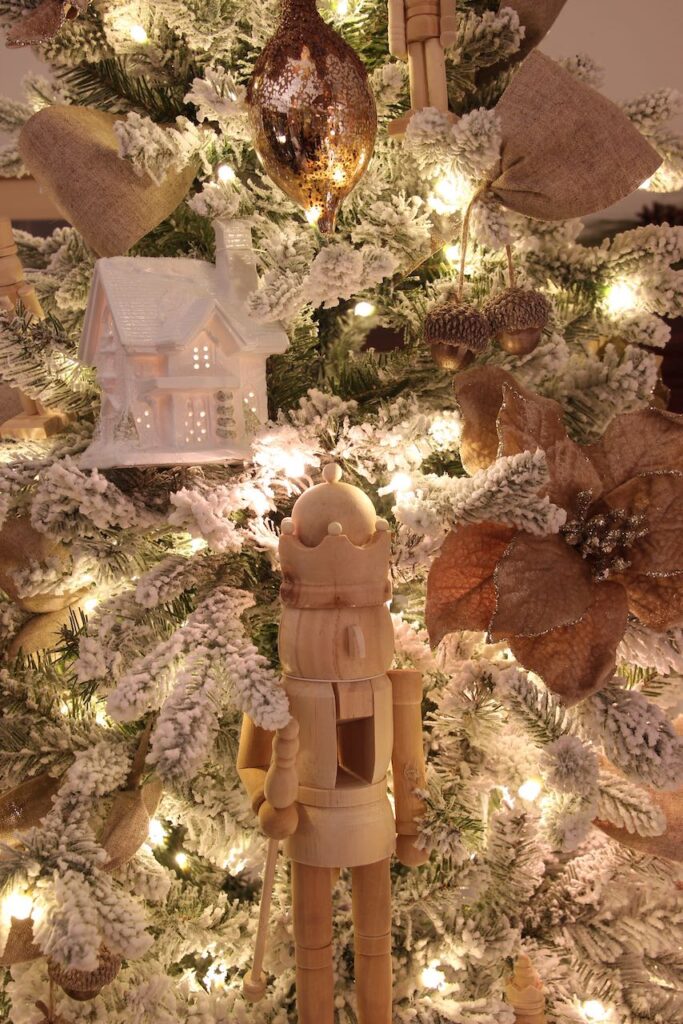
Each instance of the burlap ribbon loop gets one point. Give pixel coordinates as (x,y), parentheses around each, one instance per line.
(73,152)
(537,16)
(567,151)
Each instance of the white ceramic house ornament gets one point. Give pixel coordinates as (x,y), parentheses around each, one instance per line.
(181,365)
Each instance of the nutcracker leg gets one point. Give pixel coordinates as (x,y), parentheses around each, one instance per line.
(312,903)
(372,928)
(435,74)
(418,76)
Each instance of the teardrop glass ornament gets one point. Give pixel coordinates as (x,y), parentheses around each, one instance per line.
(312,113)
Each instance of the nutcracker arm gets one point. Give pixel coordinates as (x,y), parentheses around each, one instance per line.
(278,813)
(408,762)
(448,23)
(398,46)
(253,760)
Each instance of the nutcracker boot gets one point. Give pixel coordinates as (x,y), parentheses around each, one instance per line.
(312,905)
(372,938)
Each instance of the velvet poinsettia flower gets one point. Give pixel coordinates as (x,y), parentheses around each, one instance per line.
(562,601)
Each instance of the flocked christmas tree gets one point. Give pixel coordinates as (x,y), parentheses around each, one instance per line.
(534,499)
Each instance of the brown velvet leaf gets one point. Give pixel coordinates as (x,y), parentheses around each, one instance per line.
(479,393)
(570,474)
(41,24)
(541,583)
(27,804)
(460,589)
(579,659)
(656,600)
(528,421)
(638,442)
(659,497)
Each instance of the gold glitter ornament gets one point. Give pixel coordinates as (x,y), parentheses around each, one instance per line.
(312,113)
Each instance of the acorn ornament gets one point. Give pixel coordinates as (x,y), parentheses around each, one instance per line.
(312,113)
(84,985)
(517,317)
(456,333)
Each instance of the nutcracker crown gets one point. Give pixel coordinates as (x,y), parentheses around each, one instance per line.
(334,550)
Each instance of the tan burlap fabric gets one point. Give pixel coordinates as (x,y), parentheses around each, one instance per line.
(567,150)
(73,152)
(537,16)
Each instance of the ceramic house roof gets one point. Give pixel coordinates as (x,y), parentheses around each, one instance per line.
(163,301)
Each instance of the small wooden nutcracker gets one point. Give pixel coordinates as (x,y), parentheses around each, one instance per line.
(420,31)
(35,421)
(354,718)
(524,993)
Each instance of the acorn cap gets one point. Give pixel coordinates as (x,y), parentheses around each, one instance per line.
(456,323)
(84,985)
(517,309)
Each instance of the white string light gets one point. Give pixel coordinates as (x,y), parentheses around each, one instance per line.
(313,214)
(138,34)
(224,172)
(18,905)
(620,297)
(399,483)
(432,977)
(364,308)
(182,860)
(595,1012)
(156,832)
(530,789)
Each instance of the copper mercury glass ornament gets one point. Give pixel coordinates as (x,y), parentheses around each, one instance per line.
(312,113)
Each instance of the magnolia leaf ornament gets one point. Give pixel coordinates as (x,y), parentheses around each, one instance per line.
(43,22)
(27,804)
(561,601)
(312,113)
(567,151)
(73,152)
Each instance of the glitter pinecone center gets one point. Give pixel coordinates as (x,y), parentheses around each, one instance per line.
(604,538)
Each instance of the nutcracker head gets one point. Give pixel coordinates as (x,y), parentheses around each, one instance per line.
(334,550)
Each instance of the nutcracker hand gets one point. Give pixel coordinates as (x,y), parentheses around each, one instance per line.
(408,853)
(278,824)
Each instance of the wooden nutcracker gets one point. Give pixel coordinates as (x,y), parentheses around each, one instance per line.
(420,31)
(524,993)
(35,421)
(355,717)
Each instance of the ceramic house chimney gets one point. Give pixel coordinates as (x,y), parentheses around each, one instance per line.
(235,265)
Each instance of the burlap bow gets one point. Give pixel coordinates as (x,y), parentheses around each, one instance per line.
(73,152)
(537,16)
(567,151)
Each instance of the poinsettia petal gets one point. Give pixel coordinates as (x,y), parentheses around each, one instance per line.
(528,421)
(638,442)
(571,474)
(479,393)
(41,24)
(659,498)
(579,659)
(541,583)
(656,600)
(460,589)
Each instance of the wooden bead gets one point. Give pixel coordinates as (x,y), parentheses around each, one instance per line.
(278,823)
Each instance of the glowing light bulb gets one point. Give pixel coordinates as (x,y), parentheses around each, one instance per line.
(293,465)
(432,977)
(398,483)
(364,308)
(313,214)
(342,8)
(182,860)
(90,604)
(452,253)
(63,708)
(157,832)
(197,544)
(452,192)
(620,297)
(530,789)
(138,34)
(18,905)
(224,172)
(644,185)
(595,1012)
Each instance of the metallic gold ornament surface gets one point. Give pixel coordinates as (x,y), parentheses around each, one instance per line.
(312,113)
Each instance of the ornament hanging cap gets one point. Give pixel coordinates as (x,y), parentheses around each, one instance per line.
(567,150)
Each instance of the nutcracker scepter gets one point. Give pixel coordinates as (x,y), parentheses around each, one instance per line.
(280,792)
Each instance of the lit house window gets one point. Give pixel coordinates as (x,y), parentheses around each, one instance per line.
(196,422)
(201,357)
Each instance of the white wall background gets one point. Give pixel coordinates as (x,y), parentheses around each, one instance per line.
(638,42)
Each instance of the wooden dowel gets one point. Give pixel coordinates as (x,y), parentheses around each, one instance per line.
(254,984)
